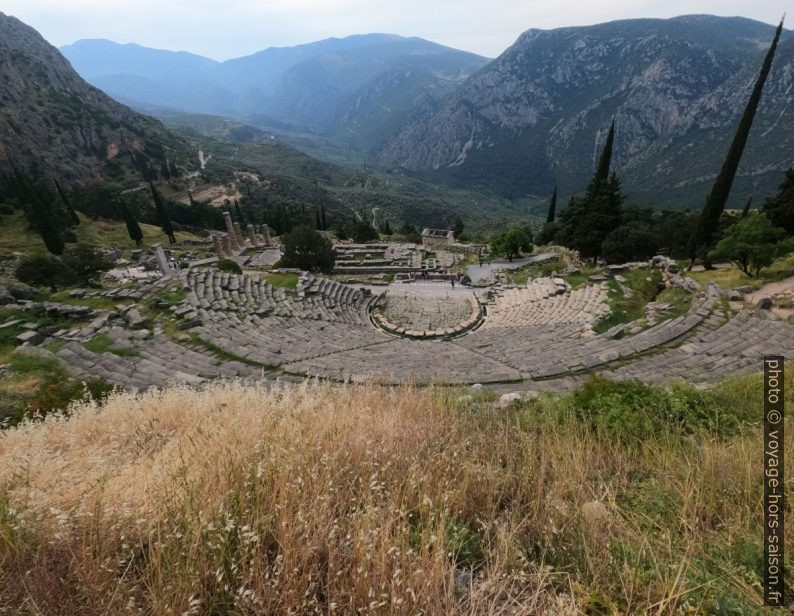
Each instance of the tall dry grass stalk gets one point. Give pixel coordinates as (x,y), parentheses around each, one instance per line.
(326,499)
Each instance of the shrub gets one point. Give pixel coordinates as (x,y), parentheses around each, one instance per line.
(86,262)
(45,271)
(227,265)
(632,411)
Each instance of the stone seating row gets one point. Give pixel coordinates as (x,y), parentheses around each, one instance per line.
(539,304)
(152,362)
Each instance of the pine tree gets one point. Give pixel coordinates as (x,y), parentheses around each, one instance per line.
(68,204)
(133,228)
(162,214)
(715,204)
(552,207)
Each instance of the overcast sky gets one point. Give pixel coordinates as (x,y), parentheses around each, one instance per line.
(223,29)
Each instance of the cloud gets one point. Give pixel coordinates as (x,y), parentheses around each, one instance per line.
(230,28)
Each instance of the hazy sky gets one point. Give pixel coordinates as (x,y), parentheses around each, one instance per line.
(223,29)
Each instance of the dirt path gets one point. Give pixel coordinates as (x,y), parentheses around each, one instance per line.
(771,289)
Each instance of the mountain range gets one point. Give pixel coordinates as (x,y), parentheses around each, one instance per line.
(516,125)
(360,89)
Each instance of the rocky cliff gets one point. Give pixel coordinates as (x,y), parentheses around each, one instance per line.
(54,123)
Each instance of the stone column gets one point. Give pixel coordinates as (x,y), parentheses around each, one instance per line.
(162,260)
(230,233)
(266,235)
(226,243)
(238,234)
(218,245)
(251,235)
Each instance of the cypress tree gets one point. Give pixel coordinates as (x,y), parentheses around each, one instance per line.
(322,216)
(715,204)
(133,228)
(162,213)
(552,206)
(317,222)
(40,211)
(746,209)
(68,204)
(239,213)
(605,162)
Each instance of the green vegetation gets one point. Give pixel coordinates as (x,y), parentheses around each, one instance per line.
(752,244)
(283,280)
(162,214)
(522,275)
(102,343)
(44,271)
(512,243)
(307,249)
(680,302)
(227,265)
(588,220)
(708,222)
(780,208)
(644,286)
(732,277)
(37,386)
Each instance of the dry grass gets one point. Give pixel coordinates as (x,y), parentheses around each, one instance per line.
(324,499)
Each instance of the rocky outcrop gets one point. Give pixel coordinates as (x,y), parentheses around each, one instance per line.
(53,123)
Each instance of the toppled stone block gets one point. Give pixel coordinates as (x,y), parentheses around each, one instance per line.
(29,337)
(136,320)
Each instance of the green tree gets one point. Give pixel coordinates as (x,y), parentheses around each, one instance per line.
(780,208)
(458,227)
(633,241)
(752,244)
(133,228)
(702,236)
(86,262)
(307,249)
(75,219)
(363,232)
(552,207)
(44,271)
(511,243)
(387,228)
(587,220)
(605,162)
(162,214)
(240,216)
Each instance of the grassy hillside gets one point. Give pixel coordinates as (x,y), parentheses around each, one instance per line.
(324,499)
(16,235)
